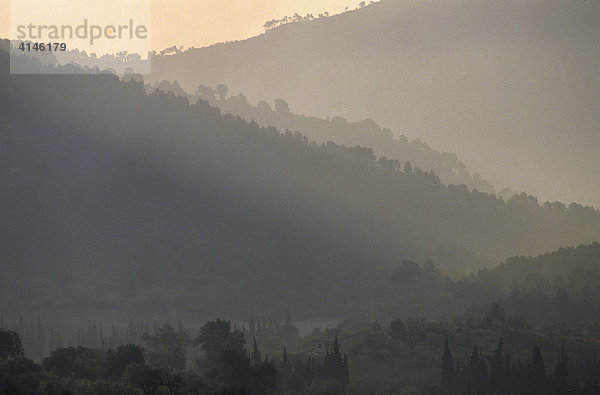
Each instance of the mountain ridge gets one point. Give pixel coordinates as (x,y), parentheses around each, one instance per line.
(459,75)
(366,133)
(116,197)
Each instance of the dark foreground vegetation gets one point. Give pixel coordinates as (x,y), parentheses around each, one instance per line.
(520,337)
(160,366)
(488,353)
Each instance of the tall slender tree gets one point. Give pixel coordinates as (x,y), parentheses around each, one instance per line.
(447,367)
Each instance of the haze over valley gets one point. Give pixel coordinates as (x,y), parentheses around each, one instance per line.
(398,199)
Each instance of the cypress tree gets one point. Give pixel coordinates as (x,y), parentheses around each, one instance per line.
(538,368)
(447,367)
(497,366)
(336,347)
(256,358)
(346,370)
(561,374)
(476,376)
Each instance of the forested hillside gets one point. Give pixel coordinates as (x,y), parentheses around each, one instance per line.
(559,288)
(112,196)
(509,87)
(366,133)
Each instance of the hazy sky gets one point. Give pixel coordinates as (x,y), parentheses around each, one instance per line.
(200,23)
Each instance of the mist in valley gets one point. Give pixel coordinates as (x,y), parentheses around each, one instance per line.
(319,209)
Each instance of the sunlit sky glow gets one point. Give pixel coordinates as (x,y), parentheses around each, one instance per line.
(199,23)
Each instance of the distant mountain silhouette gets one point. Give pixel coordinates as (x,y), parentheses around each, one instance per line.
(366,133)
(510,87)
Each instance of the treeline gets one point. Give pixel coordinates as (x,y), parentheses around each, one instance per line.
(273,23)
(364,133)
(403,355)
(558,287)
(160,366)
(41,337)
(299,18)
(569,268)
(498,373)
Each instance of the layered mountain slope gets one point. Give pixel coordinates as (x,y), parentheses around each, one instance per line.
(510,87)
(365,133)
(112,197)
